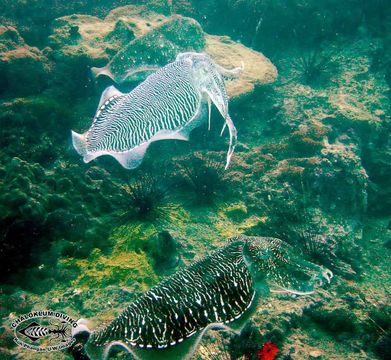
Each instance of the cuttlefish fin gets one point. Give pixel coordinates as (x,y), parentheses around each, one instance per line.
(132,158)
(108,94)
(170,135)
(105,70)
(79,143)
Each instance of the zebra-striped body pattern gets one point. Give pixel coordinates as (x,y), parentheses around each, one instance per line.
(167,105)
(166,100)
(215,290)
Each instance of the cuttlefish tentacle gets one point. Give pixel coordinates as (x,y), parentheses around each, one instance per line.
(169,321)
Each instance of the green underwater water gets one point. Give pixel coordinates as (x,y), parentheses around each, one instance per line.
(312,165)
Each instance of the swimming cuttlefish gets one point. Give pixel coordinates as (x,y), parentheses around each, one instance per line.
(168,104)
(218,292)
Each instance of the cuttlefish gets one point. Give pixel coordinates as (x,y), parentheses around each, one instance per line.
(219,291)
(169,104)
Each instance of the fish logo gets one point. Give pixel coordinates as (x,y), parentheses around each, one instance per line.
(34,331)
(44,331)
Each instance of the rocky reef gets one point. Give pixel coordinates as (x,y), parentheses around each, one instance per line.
(312,165)
(132,41)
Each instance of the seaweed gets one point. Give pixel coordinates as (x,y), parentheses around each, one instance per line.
(336,322)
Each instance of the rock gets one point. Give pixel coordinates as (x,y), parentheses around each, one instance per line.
(315,354)
(9,39)
(258,69)
(23,68)
(133,41)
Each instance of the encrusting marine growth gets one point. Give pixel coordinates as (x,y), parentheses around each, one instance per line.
(208,294)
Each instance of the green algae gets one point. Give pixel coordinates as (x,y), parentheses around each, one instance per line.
(119,269)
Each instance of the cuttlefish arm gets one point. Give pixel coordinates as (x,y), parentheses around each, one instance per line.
(219,98)
(229,74)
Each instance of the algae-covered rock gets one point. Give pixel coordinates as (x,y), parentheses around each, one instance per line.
(120,269)
(257,69)
(9,39)
(23,68)
(134,41)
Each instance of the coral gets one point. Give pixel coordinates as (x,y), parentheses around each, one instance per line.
(308,139)
(9,39)
(312,162)
(257,69)
(36,208)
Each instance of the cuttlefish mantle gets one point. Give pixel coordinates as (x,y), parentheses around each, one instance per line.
(219,291)
(168,105)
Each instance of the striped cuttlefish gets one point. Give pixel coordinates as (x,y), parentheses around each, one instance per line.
(219,291)
(168,104)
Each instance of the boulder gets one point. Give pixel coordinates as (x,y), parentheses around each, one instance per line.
(132,41)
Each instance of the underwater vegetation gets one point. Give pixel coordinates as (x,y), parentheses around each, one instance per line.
(245,343)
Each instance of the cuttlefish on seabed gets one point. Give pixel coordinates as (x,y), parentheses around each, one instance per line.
(218,292)
(169,104)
